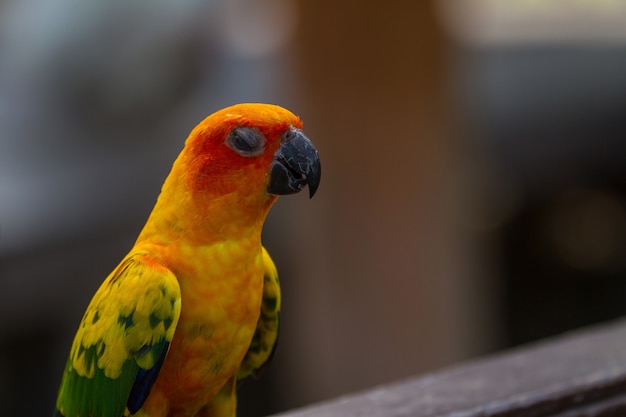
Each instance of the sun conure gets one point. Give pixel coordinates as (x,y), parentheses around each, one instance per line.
(193,308)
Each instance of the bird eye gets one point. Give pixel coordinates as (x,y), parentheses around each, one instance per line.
(246,141)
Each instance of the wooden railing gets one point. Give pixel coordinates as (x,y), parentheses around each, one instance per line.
(574,375)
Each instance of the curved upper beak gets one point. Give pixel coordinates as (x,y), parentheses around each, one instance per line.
(295,165)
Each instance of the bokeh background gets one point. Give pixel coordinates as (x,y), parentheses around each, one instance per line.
(472,197)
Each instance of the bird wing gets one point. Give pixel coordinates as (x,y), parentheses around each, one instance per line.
(122,341)
(266,335)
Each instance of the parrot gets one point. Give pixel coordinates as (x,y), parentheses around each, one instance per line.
(193,308)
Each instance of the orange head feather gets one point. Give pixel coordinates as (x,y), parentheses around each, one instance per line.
(215,167)
(235,163)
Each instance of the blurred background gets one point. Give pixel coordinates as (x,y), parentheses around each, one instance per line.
(473,189)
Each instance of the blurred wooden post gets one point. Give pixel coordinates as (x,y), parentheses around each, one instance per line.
(389,294)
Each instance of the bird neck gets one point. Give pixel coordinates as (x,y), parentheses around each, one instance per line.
(199,218)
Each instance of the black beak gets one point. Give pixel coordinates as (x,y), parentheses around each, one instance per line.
(296,164)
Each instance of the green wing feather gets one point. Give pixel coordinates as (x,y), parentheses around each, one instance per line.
(266,335)
(121,342)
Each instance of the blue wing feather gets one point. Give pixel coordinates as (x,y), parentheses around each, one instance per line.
(144,381)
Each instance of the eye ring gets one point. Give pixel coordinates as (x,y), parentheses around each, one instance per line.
(246,141)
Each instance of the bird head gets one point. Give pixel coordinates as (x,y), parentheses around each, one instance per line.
(251,149)
(237,161)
